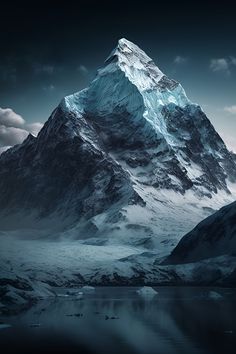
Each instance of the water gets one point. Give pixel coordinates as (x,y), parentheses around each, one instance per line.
(117,320)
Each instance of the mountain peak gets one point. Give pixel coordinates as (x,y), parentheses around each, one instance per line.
(135,63)
(124,40)
(130,51)
(126,46)
(117,157)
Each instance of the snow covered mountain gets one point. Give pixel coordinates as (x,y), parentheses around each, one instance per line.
(213,237)
(128,160)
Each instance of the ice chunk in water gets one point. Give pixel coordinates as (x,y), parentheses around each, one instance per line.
(147,291)
(88,289)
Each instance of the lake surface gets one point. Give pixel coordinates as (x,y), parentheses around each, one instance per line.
(117,320)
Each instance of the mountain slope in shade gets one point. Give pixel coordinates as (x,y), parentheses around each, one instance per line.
(213,237)
(129,159)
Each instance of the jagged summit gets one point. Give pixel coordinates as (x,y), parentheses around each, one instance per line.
(129,52)
(131,84)
(128,49)
(135,63)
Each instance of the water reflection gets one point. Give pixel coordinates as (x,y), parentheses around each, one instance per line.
(118,320)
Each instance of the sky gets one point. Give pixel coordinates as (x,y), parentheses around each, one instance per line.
(49,51)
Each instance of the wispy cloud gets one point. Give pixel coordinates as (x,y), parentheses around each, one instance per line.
(14,129)
(179,60)
(223,65)
(230,109)
(220,65)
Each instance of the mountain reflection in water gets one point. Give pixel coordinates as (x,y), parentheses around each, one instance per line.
(117,320)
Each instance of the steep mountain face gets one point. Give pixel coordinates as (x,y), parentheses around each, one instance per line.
(139,111)
(213,237)
(129,156)
(63,171)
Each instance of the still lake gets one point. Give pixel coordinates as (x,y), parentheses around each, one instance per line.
(178,320)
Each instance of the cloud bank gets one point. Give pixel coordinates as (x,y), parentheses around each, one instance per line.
(14,129)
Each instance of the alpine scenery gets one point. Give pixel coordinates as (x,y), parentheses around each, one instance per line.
(117,213)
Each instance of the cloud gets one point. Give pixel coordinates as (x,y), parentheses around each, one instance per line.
(180,60)
(14,129)
(82,70)
(230,109)
(221,65)
(10,119)
(11,136)
(34,128)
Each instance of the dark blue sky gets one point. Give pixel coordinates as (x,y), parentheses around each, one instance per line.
(49,51)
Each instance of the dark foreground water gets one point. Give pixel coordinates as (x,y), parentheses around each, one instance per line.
(117,320)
